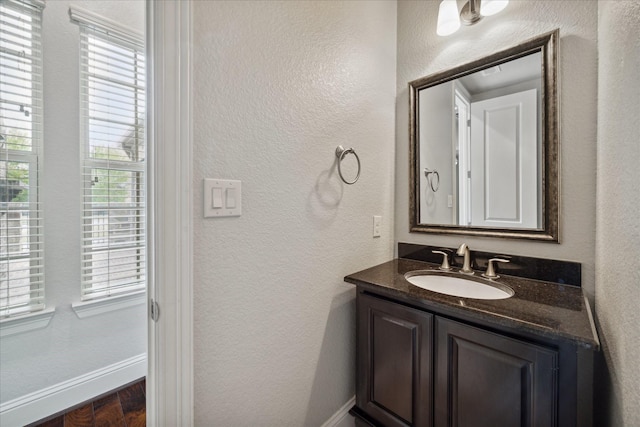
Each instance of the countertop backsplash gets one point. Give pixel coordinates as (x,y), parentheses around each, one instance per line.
(547,270)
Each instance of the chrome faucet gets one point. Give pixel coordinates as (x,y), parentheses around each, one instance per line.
(466,265)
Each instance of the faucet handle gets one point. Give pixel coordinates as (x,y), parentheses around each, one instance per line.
(445,260)
(491,273)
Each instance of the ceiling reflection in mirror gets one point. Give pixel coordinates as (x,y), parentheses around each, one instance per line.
(484,146)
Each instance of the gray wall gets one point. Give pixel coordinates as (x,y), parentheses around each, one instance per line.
(618,207)
(421,52)
(277,86)
(438,155)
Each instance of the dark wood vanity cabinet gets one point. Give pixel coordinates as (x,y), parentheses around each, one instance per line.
(483,379)
(416,368)
(394,385)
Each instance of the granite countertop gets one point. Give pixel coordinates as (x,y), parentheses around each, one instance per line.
(542,308)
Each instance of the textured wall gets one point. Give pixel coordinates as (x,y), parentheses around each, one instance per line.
(69,346)
(618,229)
(421,52)
(433,206)
(277,86)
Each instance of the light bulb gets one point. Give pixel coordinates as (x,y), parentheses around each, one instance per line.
(491,7)
(448,18)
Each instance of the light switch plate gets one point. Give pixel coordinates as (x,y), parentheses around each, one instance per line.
(222,197)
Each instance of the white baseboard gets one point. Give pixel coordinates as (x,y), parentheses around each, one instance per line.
(48,401)
(342,417)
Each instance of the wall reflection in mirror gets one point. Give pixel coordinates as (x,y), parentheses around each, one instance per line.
(484,145)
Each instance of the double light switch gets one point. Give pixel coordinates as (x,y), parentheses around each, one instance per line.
(222,197)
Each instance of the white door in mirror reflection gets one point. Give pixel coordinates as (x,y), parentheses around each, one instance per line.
(504,161)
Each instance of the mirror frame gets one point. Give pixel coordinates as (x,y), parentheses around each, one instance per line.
(547,44)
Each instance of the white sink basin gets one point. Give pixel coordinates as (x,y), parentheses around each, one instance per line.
(471,287)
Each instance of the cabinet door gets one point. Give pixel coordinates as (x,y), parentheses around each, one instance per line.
(394,383)
(485,379)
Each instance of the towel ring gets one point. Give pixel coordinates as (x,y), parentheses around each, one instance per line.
(429,174)
(340,154)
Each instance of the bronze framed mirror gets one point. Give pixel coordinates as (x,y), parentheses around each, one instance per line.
(484,145)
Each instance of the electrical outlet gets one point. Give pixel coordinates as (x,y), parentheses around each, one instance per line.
(377,220)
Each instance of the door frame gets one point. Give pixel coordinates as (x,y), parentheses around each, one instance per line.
(170,200)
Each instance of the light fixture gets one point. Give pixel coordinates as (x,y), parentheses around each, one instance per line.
(491,7)
(472,12)
(448,21)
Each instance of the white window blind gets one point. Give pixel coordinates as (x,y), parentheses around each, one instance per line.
(112,90)
(21,231)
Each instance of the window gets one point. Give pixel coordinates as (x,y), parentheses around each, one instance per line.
(21,231)
(112,110)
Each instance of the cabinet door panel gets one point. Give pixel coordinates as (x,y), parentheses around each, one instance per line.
(394,363)
(484,379)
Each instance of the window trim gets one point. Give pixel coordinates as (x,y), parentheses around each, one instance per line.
(26,322)
(109,31)
(94,307)
(85,18)
(33,158)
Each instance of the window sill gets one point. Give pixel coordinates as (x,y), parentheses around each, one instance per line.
(108,304)
(26,323)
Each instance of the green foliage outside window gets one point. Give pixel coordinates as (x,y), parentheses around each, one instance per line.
(16,172)
(111,186)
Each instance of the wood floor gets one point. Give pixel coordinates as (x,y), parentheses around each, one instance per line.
(122,408)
